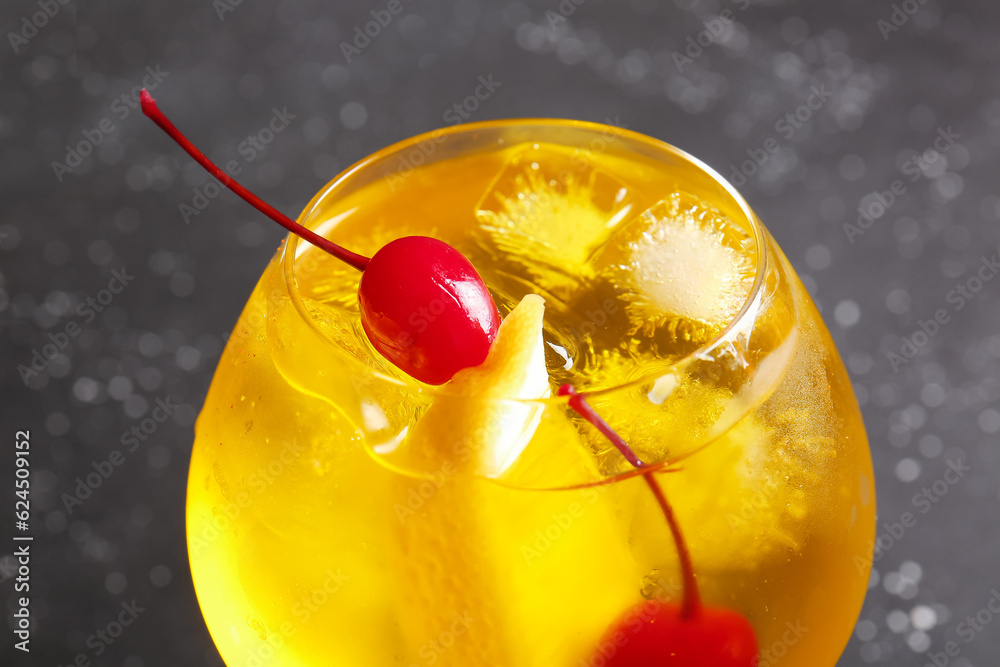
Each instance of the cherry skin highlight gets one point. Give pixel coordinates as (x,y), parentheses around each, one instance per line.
(426,309)
(660,637)
(669,635)
(423,305)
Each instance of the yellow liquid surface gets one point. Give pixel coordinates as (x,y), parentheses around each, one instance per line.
(325,527)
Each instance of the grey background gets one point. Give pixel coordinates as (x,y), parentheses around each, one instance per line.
(161,337)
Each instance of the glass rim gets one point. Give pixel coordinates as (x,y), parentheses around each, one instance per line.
(294,247)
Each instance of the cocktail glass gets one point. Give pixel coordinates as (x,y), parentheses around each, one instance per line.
(342,513)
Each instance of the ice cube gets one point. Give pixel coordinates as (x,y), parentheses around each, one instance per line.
(679,258)
(547,210)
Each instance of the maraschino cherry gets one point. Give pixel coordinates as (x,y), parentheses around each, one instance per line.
(423,305)
(685,635)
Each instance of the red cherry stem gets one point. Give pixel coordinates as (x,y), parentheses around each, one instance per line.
(577,402)
(691,604)
(149,108)
(692,600)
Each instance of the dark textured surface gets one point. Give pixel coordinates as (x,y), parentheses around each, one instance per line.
(61,235)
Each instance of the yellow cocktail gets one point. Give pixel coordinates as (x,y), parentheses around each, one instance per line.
(342,513)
